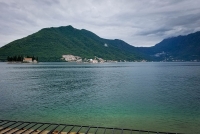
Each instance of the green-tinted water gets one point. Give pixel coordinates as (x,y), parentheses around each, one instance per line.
(147,96)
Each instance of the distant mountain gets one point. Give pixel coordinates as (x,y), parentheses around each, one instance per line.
(49,44)
(181,48)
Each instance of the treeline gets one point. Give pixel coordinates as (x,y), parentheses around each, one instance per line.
(20,58)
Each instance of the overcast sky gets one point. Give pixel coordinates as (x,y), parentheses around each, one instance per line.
(137,22)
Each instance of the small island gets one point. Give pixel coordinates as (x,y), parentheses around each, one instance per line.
(22,59)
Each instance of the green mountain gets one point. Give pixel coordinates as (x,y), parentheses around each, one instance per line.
(181,48)
(49,44)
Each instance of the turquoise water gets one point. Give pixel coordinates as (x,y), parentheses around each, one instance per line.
(147,96)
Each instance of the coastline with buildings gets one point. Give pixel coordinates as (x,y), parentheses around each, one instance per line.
(72,58)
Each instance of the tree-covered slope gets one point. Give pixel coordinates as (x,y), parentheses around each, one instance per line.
(184,48)
(49,44)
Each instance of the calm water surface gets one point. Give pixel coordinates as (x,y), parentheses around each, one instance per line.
(147,96)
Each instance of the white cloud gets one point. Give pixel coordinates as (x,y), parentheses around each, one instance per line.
(139,23)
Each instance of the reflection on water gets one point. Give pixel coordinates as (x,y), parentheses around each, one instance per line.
(151,96)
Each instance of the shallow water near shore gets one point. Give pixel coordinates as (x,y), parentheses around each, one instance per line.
(147,96)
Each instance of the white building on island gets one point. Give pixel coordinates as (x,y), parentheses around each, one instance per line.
(28,60)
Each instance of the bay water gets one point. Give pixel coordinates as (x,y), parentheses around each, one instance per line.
(158,96)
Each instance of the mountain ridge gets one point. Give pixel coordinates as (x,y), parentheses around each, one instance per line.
(180,48)
(49,44)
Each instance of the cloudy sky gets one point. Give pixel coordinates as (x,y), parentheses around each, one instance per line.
(137,22)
